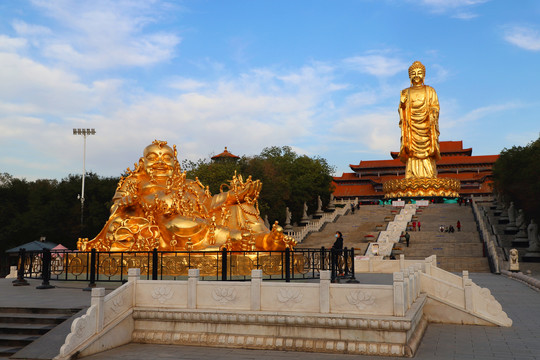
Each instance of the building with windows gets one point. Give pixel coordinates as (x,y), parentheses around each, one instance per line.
(366,182)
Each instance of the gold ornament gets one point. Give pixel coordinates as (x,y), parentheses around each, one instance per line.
(156,206)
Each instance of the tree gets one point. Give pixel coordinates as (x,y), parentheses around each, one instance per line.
(288,179)
(50,208)
(517,177)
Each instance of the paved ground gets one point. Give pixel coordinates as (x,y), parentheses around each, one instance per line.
(521,341)
(441,342)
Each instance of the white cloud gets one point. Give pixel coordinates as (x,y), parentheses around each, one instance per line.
(103,34)
(24,29)
(9,44)
(445,5)
(459,9)
(376,131)
(524,37)
(465,16)
(187,85)
(376,65)
(482,112)
(255,109)
(44,89)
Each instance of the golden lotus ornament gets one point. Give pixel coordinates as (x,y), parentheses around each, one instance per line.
(419,123)
(156,206)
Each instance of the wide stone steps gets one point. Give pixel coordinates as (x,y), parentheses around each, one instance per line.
(21,326)
(354,228)
(457,251)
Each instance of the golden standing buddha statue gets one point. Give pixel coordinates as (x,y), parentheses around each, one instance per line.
(419,122)
(156,206)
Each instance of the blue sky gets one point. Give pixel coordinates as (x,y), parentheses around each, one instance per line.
(320,76)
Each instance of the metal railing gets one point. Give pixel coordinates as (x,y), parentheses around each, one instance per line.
(101,266)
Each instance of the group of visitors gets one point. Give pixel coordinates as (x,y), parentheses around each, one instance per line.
(415,225)
(446,228)
(450,228)
(463,201)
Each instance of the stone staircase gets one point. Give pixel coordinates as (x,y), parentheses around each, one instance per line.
(455,251)
(354,228)
(21,326)
(461,250)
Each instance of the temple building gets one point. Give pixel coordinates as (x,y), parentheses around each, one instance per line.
(366,182)
(225,156)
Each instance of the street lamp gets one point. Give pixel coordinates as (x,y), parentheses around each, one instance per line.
(83,132)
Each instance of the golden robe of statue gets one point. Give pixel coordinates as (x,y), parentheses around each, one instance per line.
(419,123)
(156,206)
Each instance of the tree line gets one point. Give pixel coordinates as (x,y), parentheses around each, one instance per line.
(51,208)
(517,178)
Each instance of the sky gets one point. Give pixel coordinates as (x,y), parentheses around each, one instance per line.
(322,77)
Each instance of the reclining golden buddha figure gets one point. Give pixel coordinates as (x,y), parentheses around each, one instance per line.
(156,206)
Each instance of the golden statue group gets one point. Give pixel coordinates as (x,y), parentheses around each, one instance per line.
(156,206)
(419,123)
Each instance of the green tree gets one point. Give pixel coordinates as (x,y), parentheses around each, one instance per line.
(288,179)
(50,208)
(517,177)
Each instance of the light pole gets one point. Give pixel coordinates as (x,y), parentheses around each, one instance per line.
(83,132)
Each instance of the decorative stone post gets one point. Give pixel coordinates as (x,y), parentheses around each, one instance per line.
(324,291)
(412,282)
(399,294)
(98,297)
(467,286)
(134,274)
(418,268)
(406,286)
(192,288)
(256,279)
(401,262)
(427,266)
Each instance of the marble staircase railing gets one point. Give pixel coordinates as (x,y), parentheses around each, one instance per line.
(487,238)
(257,313)
(316,225)
(387,238)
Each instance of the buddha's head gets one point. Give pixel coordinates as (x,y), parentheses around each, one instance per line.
(417,73)
(159,159)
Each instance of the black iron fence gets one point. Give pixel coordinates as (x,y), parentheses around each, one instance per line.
(102,266)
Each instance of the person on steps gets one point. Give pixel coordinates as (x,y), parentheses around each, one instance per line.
(407,238)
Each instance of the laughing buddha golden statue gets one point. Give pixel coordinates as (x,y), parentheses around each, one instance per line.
(156,206)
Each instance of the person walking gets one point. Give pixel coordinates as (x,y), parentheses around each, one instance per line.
(352,209)
(407,238)
(419,226)
(458,225)
(338,244)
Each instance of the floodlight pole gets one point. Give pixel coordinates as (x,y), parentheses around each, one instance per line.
(84,133)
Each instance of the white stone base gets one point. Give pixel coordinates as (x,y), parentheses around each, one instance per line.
(330,333)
